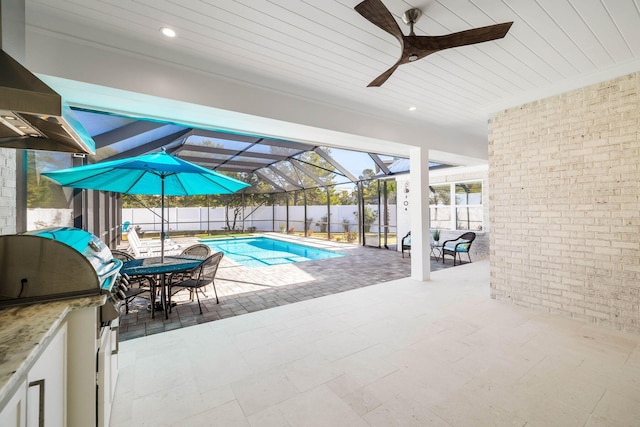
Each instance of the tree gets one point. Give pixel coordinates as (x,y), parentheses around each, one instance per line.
(43,192)
(345,197)
(369,186)
(440,194)
(373,193)
(235,203)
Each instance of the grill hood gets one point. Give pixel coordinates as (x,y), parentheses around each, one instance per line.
(33,116)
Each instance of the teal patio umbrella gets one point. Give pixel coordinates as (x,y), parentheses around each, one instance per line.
(153,174)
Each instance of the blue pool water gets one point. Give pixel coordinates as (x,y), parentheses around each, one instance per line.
(261,251)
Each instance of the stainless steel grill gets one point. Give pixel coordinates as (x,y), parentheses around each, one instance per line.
(54,264)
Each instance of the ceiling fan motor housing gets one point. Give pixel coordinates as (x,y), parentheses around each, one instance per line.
(411,16)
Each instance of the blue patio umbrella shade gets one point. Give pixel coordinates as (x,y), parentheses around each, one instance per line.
(153,174)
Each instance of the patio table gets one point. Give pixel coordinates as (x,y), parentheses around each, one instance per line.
(154,266)
(436,251)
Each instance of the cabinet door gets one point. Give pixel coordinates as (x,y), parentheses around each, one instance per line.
(13,414)
(115,348)
(107,372)
(46,394)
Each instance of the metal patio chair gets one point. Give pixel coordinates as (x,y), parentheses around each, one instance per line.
(198,249)
(136,284)
(201,277)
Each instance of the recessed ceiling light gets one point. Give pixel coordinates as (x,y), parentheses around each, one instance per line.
(412,108)
(169,32)
(9,117)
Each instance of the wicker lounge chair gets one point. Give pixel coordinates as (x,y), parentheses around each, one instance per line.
(459,245)
(406,244)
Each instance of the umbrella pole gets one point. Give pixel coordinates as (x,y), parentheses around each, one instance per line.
(163,294)
(162,220)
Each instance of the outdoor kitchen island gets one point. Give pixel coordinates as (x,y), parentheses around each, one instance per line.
(48,364)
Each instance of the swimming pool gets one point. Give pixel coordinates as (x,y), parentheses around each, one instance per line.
(262,251)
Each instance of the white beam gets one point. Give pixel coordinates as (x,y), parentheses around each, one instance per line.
(95,76)
(419,209)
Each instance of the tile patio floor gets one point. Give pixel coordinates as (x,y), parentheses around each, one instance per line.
(400,353)
(242,290)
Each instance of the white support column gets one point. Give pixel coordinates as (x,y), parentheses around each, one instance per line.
(419,208)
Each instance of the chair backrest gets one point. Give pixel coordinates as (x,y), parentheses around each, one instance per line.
(121,255)
(139,249)
(132,234)
(197,249)
(469,235)
(406,240)
(461,243)
(467,239)
(134,242)
(209,268)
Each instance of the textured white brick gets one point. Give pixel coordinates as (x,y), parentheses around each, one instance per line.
(565,204)
(7,191)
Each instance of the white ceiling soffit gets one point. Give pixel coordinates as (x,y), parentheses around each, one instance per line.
(326,52)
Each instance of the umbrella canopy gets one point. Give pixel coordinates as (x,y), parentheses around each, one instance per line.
(147,174)
(155,174)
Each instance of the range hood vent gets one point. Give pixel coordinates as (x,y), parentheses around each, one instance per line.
(33,116)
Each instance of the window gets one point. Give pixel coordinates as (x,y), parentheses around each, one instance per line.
(469,205)
(48,203)
(440,205)
(465,213)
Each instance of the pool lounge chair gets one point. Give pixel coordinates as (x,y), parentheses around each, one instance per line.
(146,248)
(133,234)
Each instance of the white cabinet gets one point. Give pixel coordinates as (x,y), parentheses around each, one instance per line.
(46,385)
(90,392)
(107,372)
(59,385)
(40,399)
(13,414)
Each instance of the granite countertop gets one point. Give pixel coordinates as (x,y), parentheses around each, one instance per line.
(24,329)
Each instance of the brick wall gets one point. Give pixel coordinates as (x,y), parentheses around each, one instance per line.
(7,191)
(565,204)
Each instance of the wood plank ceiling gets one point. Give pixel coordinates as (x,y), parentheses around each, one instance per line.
(327,51)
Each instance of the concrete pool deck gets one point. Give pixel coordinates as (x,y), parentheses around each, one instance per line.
(400,353)
(244,290)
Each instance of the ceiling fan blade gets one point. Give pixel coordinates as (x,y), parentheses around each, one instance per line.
(378,81)
(462,38)
(377,13)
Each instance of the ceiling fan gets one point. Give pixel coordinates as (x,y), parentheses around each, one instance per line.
(417,47)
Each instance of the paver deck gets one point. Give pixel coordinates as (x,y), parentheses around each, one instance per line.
(244,290)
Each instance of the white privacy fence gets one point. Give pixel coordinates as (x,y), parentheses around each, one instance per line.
(264,218)
(39,218)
